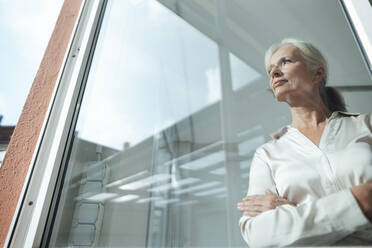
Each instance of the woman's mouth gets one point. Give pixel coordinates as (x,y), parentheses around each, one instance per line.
(279,83)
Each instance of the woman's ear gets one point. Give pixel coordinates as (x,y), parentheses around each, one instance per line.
(319,74)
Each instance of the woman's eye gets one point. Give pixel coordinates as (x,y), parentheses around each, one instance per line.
(286,61)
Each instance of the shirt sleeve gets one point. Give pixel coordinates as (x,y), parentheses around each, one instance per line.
(314,222)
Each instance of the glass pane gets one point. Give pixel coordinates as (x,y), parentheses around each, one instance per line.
(175,106)
(241,73)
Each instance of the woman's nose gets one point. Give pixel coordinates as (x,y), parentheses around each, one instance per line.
(276,72)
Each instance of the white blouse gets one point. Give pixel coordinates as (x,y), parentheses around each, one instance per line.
(318,179)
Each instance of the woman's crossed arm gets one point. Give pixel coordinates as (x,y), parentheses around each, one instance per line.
(270,220)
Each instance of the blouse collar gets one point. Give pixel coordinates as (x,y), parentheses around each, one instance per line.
(278,134)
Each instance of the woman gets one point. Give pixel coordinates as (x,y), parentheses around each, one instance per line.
(311,184)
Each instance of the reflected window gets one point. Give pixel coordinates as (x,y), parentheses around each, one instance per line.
(241,73)
(138,87)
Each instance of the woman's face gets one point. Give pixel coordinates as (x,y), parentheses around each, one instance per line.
(290,75)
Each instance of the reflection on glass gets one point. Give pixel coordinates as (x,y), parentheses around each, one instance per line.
(148,138)
(241,73)
(159,158)
(146,86)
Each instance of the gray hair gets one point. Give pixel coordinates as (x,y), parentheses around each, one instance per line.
(314,58)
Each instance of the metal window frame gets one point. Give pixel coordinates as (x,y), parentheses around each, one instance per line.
(359,14)
(30,217)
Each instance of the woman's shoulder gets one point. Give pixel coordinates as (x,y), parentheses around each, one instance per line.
(353,114)
(278,134)
(358,119)
(274,143)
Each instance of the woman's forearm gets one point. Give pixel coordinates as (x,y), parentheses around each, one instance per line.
(318,222)
(363,195)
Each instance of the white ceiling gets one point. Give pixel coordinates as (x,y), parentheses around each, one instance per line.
(249,27)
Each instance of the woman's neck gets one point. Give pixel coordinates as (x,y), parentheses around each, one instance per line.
(308,111)
(305,117)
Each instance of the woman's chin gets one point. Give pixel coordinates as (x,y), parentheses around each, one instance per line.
(280,97)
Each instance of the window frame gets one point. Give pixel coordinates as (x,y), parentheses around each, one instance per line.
(30,217)
(358,14)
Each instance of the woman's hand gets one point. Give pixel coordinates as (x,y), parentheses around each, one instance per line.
(256,204)
(363,195)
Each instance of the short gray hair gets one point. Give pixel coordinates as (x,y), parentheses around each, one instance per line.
(314,58)
(310,53)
